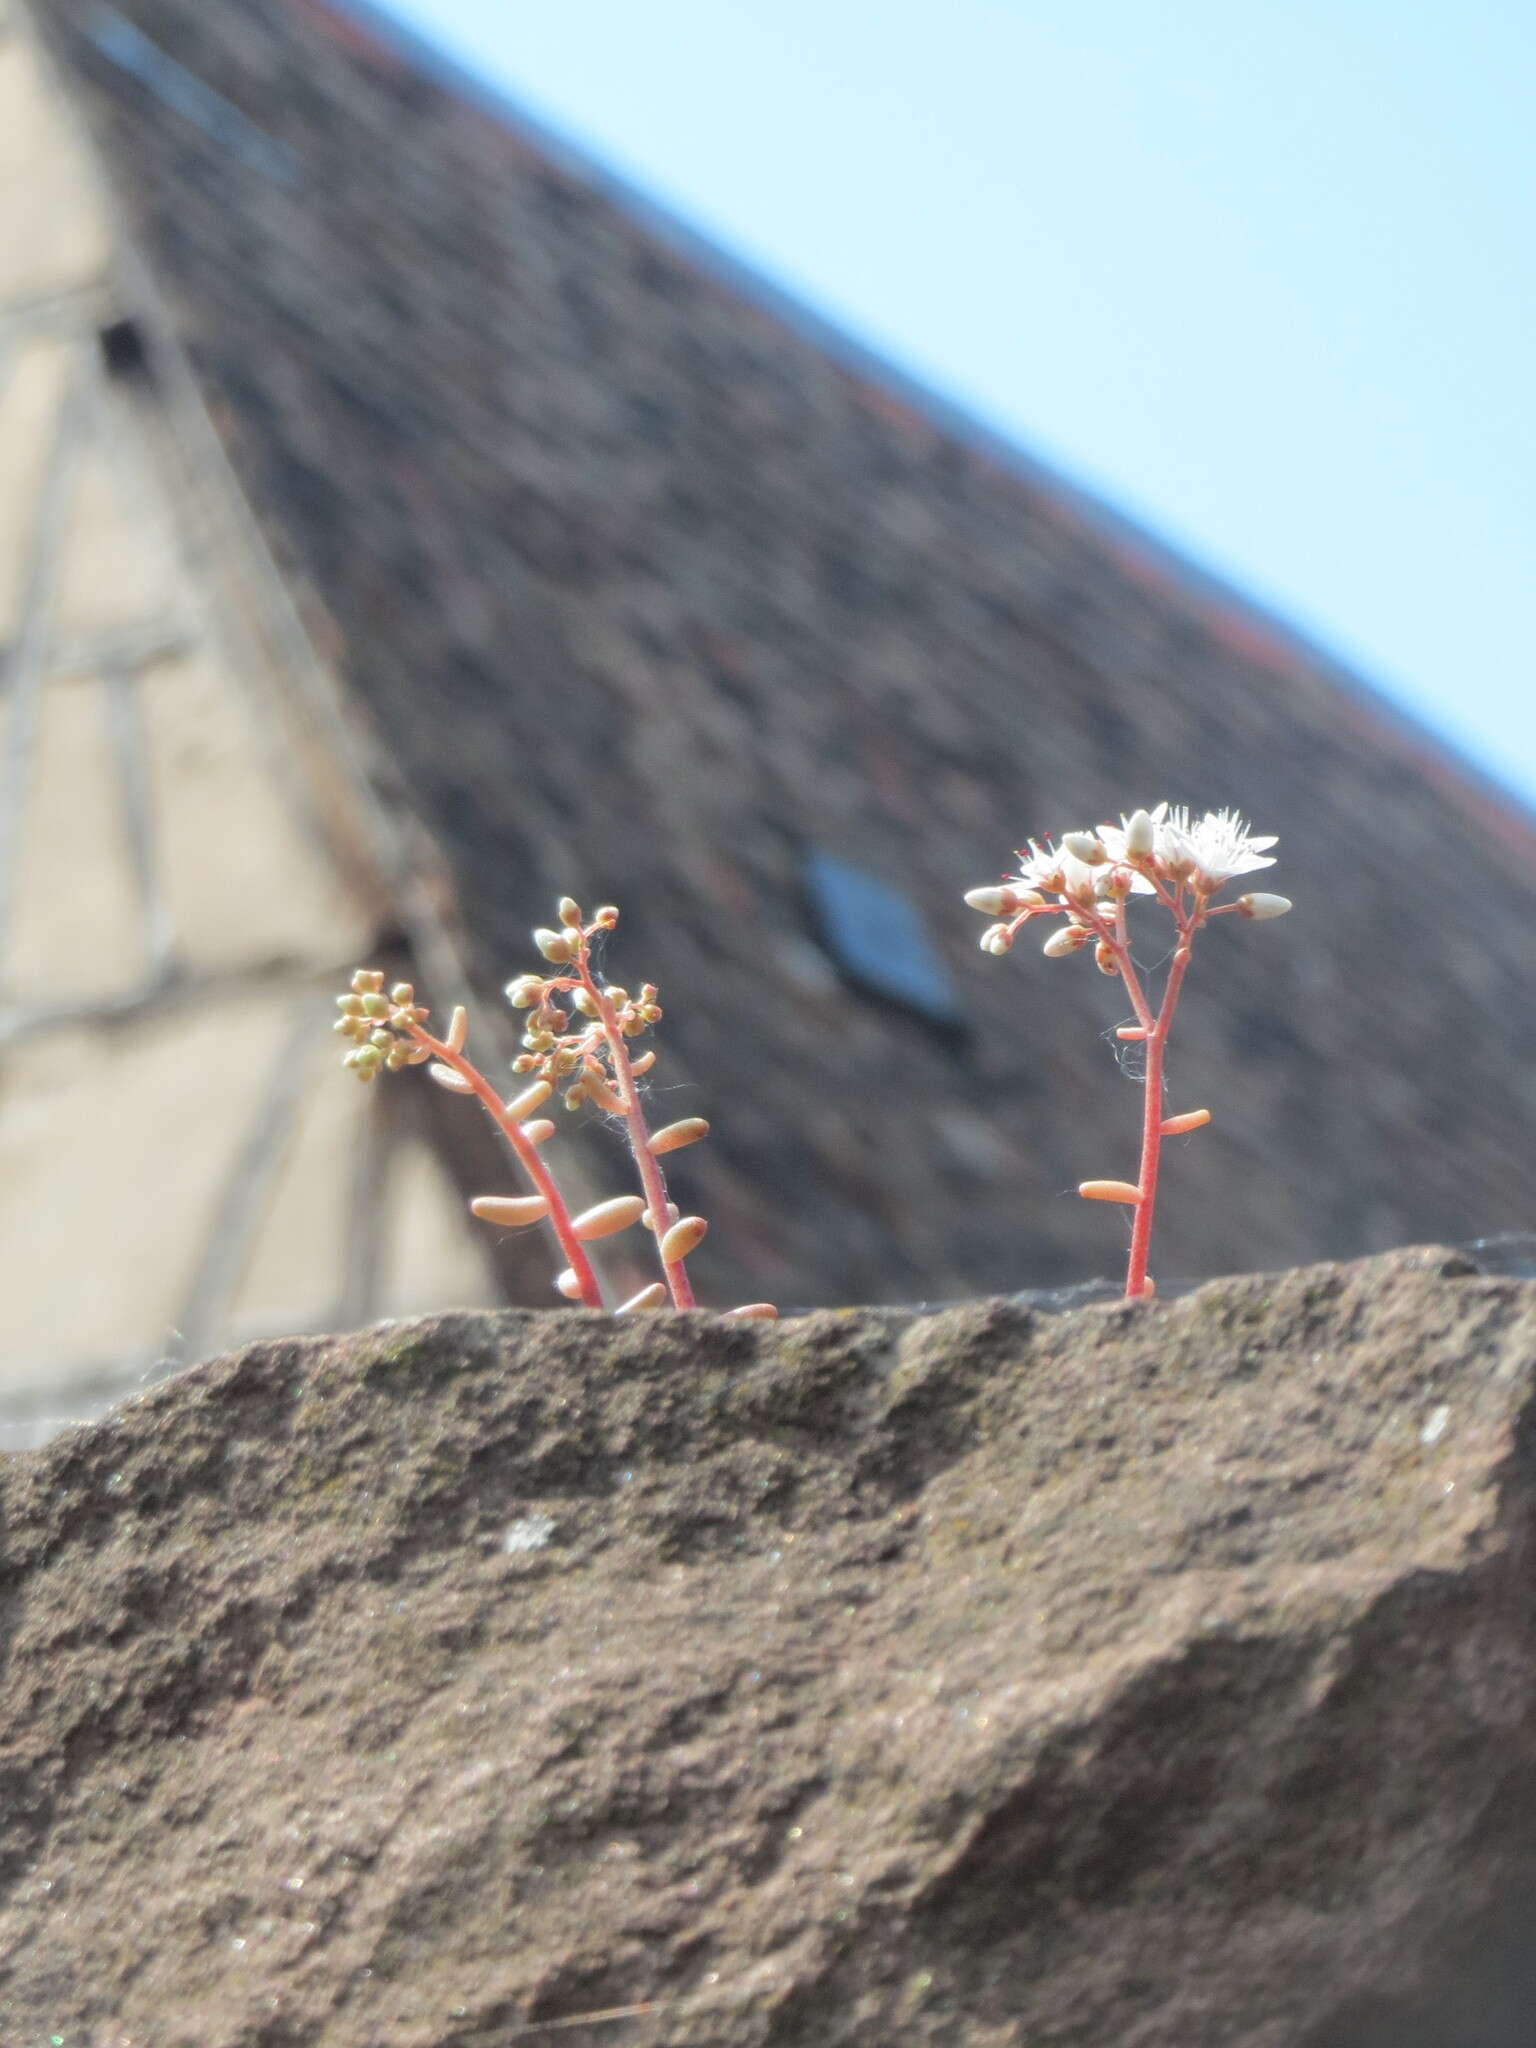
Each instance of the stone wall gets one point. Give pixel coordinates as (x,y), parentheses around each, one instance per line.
(1154,1674)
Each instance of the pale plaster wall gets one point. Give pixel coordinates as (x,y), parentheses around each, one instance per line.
(293,1279)
(31,391)
(76,934)
(115,1144)
(430,1260)
(53,233)
(118,563)
(243,881)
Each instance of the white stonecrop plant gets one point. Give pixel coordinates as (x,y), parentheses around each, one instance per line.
(1087,879)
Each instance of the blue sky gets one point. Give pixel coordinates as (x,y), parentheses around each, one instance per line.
(1264,276)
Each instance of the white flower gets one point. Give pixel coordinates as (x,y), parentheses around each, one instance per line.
(1040,867)
(1210,850)
(1054,871)
(1166,843)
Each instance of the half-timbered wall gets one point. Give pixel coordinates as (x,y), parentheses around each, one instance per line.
(182,1165)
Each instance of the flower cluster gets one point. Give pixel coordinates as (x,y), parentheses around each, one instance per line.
(1087,879)
(576,1038)
(1182,861)
(557,1048)
(379,1025)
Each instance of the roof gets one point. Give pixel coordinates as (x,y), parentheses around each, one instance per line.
(653,588)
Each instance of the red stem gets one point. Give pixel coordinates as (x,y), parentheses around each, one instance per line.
(1152,1120)
(527,1157)
(646,1163)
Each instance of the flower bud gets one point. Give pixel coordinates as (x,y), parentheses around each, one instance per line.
(402,995)
(350,1006)
(999,902)
(1262,906)
(673,1137)
(583,1002)
(996,939)
(510,1212)
(525,991)
(386,1041)
(684,1237)
(1104,958)
(1086,847)
(607,915)
(605,1218)
(654,1296)
(375,1005)
(570,911)
(1139,835)
(555,946)
(368,981)
(1071,938)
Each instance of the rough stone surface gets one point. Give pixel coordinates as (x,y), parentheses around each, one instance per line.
(1155,1674)
(647,593)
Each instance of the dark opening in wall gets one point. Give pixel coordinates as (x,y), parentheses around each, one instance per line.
(123,350)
